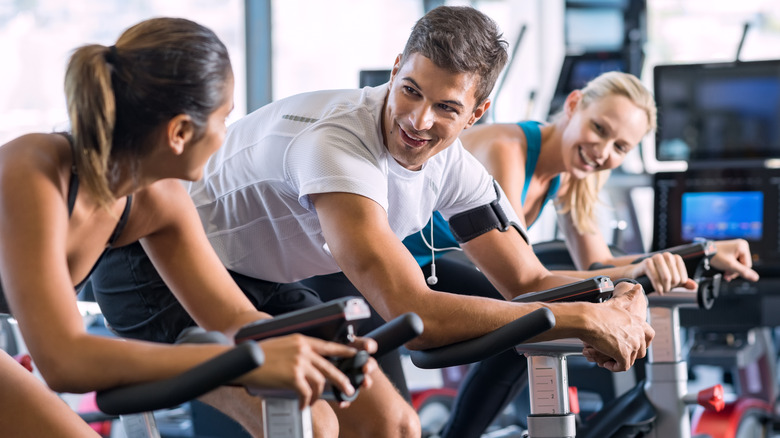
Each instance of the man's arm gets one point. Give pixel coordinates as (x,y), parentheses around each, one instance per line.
(374,259)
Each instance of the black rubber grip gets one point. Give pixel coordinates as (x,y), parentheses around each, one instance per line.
(485,346)
(595,290)
(329,321)
(395,333)
(167,393)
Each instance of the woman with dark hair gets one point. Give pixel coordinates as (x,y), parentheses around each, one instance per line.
(144,112)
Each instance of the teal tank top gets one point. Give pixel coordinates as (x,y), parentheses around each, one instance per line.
(442,236)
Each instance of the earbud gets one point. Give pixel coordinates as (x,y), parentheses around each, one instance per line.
(432,279)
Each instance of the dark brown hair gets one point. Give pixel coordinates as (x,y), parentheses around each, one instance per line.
(460,39)
(118,95)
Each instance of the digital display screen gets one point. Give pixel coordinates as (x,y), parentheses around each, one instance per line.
(594,29)
(718,111)
(585,70)
(722,215)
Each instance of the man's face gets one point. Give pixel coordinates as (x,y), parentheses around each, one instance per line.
(426,109)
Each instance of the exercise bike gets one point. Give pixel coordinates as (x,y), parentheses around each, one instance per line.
(281,416)
(655,408)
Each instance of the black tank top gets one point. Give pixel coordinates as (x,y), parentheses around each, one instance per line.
(73,188)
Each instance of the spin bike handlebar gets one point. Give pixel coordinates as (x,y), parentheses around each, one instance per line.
(333,320)
(696,257)
(395,333)
(490,344)
(595,289)
(161,394)
(336,321)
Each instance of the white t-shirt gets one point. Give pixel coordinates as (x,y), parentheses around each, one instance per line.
(254,196)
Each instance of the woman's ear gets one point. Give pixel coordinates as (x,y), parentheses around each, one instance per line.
(180,131)
(572,100)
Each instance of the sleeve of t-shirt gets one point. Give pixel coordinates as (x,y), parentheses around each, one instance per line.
(468,185)
(329,158)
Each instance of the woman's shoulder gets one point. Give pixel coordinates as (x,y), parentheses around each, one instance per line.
(156,206)
(163,195)
(501,138)
(36,154)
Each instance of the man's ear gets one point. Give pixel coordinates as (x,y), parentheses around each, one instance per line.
(478,113)
(396,67)
(180,131)
(572,100)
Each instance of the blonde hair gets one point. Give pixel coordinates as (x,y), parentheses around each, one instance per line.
(581,196)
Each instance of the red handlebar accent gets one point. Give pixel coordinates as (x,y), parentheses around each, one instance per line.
(712,398)
(25,360)
(574,400)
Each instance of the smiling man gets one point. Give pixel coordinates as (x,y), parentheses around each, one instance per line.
(332,181)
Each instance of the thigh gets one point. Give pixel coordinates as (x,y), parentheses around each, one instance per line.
(276,298)
(390,414)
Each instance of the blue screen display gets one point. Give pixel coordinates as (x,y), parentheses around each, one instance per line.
(722,215)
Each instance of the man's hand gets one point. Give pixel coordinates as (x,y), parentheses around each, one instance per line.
(733,258)
(665,271)
(621,333)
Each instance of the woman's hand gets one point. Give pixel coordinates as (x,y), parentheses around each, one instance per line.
(665,271)
(734,259)
(299,363)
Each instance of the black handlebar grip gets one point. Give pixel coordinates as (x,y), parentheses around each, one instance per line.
(595,289)
(706,293)
(352,367)
(395,333)
(167,393)
(485,346)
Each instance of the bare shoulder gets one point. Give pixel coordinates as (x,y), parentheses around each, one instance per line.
(159,205)
(34,158)
(501,139)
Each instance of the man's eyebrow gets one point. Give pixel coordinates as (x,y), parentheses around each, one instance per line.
(448,102)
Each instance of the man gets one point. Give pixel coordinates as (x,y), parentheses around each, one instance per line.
(332,181)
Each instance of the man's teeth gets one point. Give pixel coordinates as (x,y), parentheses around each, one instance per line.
(414,138)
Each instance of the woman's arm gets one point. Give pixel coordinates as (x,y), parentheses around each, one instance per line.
(36,260)
(176,243)
(32,410)
(665,270)
(36,257)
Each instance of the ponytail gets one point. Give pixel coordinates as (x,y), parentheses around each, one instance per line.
(92,112)
(579,199)
(119,96)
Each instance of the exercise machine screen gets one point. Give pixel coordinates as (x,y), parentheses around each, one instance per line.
(722,215)
(723,111)
(719,204)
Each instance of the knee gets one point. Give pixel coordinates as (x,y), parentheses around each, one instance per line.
(409,423)
(401,421)
(325,424)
